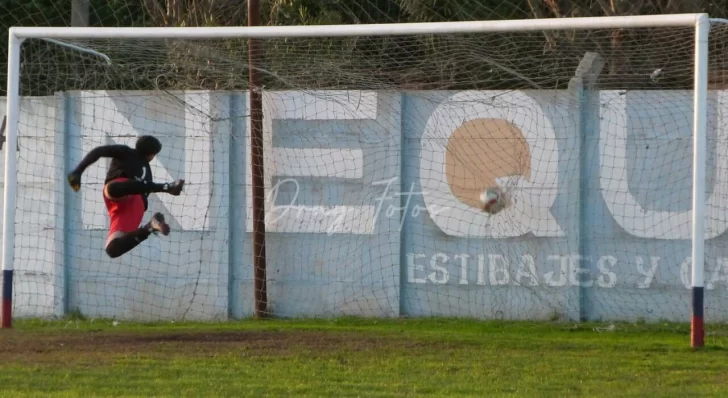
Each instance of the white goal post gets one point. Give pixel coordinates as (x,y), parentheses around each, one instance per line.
(700,22)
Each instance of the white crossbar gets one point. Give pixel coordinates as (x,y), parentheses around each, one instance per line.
(640,21)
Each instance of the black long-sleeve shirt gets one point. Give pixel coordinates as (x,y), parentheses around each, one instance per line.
(126,162)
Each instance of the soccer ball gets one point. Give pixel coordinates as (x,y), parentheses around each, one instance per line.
(492,200)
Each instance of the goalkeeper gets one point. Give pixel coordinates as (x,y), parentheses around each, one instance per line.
(127,185)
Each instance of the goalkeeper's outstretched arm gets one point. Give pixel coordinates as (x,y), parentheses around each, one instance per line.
(104,151)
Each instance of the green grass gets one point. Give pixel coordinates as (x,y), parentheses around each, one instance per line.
(350,357)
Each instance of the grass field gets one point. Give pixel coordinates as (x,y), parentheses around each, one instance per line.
(357,358)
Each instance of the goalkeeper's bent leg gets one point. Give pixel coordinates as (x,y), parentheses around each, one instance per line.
(122,244)
(127,241)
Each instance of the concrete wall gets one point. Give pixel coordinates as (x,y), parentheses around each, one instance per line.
(371,205)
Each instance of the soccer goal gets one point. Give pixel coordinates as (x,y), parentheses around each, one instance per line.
(348,180)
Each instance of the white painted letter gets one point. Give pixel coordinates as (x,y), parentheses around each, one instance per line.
(498,265)
(411,278)
(549,276)
(463,268)
(648,273)
(527,269)
(438,268)
(481,270)
(531,209)
(605,270)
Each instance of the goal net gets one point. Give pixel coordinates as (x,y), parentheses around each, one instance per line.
(376,149)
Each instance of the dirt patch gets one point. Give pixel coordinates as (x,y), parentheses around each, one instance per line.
(94,347)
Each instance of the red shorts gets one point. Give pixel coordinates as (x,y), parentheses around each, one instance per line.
(126,213)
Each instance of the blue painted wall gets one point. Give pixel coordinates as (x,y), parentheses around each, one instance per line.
(372,205)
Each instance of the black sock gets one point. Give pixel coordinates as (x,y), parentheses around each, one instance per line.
(130,240)
(118,189)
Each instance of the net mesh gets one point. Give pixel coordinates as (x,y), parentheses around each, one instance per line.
(376,151)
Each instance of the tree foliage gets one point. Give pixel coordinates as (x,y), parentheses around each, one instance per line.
(334,62)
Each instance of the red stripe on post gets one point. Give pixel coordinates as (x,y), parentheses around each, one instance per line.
(697,332)
(7,316)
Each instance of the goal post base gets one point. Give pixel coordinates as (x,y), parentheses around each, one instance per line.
(7,301)
(697,331)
